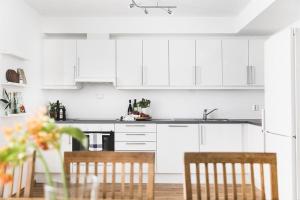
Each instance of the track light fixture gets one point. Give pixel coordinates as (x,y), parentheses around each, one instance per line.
(168,9)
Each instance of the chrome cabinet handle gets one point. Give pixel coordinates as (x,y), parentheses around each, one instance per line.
(135,125)
(75,69)
(178,126)
(78,66)
(253,74)
(248,75)
(202,135)
(133,134)
(136,143)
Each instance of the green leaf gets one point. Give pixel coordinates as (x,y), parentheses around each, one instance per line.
(76,133)
(4,100)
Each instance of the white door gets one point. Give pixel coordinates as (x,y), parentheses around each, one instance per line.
(220,137)
(182,62)
(256,62)
(59,62)
(284,147)
(96,59)
(254,139)
(208,62)
(172,141)
(129,62)
(155,63)
(235,62)
(278,84)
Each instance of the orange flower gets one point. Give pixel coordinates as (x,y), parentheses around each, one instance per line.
(5,178)
(18,127)
(8,133)
(34,126)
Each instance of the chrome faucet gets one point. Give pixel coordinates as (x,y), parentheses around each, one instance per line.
(205,113)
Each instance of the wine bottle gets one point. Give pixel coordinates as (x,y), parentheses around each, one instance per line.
(135,107)
(129,111)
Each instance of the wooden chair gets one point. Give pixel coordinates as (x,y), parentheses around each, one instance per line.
(215,160)
(23,180)
(115,161)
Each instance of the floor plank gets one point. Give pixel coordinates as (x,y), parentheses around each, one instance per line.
(170,191)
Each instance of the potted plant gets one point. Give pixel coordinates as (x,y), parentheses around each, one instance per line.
(40,133)
(52,110)
(7,100)
(144,104)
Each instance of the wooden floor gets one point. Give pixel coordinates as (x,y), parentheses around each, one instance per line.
(173,192)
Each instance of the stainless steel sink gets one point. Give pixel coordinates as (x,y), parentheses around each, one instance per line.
(201,120)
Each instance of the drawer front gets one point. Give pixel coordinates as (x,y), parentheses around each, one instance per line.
(131,137)
(135,146)
(92,127)
(135,128)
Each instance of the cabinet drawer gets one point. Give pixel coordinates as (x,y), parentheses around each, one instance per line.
(92,127)
(135,146)
(148,137)
(135,128)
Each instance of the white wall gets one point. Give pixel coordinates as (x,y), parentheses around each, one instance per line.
(85,103)
(20,34)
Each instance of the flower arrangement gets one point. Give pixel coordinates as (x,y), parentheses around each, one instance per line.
(144,103)
(40,133)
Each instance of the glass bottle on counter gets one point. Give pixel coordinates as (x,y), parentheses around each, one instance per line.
(135,107)
(129,111)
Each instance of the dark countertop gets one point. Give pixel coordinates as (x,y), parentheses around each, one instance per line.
(256,122)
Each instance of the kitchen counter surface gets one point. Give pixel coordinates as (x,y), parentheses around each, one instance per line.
(256,122)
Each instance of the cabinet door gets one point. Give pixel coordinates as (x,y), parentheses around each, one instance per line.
(59,62)
(284,147)
(172,142)
(235,62)
(208,62)
(220,138)
(182,62)
(96,59)
(129,62)
(254,140)
(256,62)
(155,63)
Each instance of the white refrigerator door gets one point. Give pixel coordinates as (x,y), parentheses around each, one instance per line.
(278,83)
(284,147)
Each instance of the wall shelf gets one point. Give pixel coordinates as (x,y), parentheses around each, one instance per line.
(13,85)
(14,115)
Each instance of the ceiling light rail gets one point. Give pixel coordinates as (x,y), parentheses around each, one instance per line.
(167,8)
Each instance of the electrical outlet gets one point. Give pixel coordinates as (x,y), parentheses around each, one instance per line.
(255,107)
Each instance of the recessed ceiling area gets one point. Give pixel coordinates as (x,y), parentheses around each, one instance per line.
(120,8)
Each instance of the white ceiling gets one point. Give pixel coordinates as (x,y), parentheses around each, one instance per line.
(120,8)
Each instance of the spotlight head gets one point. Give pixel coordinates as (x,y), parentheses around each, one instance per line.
(170,12)
(131,5)
(146,11)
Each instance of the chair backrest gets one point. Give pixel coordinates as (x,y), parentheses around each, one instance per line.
(23,180)
(116,161)
(203,161)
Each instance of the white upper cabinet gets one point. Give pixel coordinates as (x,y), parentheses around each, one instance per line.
(256,62)
(155,63)
(220,137)
(235,62)
(129,63)
(182,62)
(59,63)
(208,62)
(96,60)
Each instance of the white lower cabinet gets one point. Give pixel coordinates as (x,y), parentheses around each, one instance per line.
(172,141)
(220,138)
(254,139)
